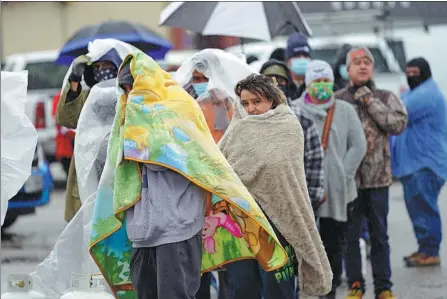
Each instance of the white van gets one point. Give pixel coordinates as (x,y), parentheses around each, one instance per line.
(388,72)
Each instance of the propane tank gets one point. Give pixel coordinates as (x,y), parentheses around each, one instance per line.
(20,286)
(87,286)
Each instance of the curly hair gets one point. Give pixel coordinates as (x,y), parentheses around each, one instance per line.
(262,86)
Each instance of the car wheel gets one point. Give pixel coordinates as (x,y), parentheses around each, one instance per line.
(9,220)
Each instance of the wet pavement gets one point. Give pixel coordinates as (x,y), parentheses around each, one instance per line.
(31,239)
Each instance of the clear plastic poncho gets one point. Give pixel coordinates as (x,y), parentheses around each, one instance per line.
(224,70)
(18,137)
(217,107)
(70,253)
(97,49)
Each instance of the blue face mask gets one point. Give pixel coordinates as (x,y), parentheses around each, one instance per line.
(299,65)
(343,71)
(200,88)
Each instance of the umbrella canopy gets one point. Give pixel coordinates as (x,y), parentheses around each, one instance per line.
(261,20)
(135,34)
(18,137)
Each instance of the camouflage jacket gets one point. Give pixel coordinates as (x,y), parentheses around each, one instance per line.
(382,114)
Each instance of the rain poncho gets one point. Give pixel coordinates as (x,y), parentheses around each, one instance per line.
(159,123)
(70,106)
(18,136)
(217,107)
(224,70)
(70,253)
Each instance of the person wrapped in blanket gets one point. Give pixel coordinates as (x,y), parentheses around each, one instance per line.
(208,76)
(258,145)
(72,99)
(166,239)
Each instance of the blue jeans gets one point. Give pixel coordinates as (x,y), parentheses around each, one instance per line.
(249,281)
(372,204)
(421,191)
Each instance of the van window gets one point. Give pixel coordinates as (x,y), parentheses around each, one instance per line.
(397,46)
(329,55)
(45,75)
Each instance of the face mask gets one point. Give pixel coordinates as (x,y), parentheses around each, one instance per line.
(343,71)
(200,88)
(321,90)
(104,74)
(299,65)
(284,89)
(414,81)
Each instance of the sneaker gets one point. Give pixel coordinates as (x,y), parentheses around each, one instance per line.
(422,260)
(355,292)
(411,256)
(385,295)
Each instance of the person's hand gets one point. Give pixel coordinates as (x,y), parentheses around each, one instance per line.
(363,94)
(78,68)
(317,204)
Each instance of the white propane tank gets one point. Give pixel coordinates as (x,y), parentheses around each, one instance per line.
(87,286)
(20,286)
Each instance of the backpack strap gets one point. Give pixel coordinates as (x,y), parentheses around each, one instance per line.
(327,127)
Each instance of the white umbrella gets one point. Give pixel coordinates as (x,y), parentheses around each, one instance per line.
(255,20)
(18,137)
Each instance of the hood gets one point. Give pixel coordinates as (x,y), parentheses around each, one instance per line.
(341,59)
(124,75)
(425,71)
(111,56)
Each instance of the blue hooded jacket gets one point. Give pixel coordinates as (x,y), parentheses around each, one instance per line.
(423,144)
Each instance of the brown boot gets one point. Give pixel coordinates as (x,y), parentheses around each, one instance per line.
(411,256)
(424,261)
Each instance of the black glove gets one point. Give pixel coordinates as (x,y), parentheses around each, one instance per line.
(78,68)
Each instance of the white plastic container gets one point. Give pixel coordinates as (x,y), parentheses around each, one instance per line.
(364,256)
(87,286)
(20,286)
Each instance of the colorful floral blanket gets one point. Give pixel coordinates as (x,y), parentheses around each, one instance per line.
(159,123)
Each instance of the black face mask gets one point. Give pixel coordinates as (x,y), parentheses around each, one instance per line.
(284,89)
(414,81)
(424,72)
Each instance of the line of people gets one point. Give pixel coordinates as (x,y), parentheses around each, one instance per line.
(312,146)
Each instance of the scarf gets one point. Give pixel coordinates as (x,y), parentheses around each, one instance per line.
(159,123)
(267,151)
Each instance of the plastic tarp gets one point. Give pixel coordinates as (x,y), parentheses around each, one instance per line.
(224,70)
(70,253)
(18,137)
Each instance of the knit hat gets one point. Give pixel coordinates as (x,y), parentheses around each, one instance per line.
(297,44)
(358,53)
(318,69)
